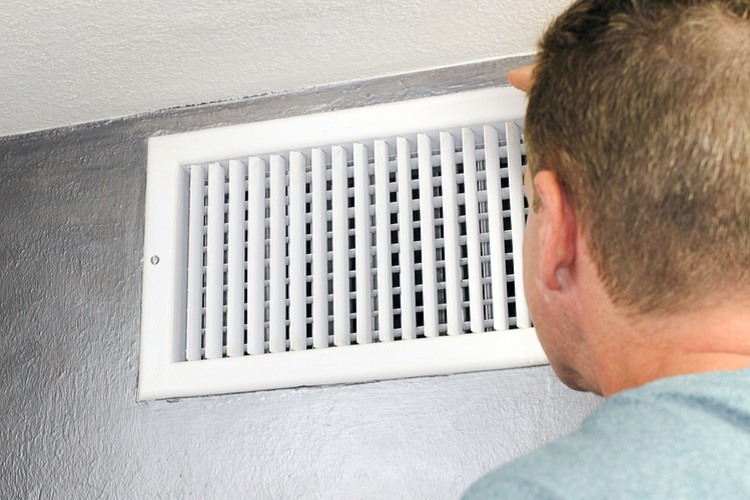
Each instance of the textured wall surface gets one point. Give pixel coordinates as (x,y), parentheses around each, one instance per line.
(71,217)
(76,61)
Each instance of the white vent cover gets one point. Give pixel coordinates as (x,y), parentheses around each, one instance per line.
(365,244)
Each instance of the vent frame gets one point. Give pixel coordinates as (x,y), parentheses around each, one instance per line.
(162,374)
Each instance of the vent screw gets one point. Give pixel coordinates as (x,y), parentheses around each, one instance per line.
(155,259)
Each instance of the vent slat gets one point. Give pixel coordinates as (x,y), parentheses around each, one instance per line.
(340,221)
(454,319)
(256,248)
(517,214)
(236,260)
(383,254)
(427,230)
(438,202)
(297,260)
(495,219)
(215,265)
(320,253)
(476,309)
(277,256)
(196,227)
(405,247)
(363,245)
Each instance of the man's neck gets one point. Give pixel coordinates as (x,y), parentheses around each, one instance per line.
(631,351)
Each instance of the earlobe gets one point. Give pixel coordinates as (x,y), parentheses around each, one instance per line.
(558,230)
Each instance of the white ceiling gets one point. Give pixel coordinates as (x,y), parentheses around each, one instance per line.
(74,61)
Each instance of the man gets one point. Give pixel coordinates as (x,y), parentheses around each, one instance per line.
(637,251)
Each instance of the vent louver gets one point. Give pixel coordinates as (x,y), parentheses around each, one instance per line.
(322,249)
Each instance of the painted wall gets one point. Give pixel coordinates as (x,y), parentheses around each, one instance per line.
(71,217)
(74,61)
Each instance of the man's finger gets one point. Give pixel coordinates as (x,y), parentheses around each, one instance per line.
(521,78)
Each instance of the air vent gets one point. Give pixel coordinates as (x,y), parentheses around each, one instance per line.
(365,244)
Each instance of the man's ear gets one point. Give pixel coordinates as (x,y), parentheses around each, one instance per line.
(558,230)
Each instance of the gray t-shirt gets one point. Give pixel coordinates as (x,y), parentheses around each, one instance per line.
(680,437)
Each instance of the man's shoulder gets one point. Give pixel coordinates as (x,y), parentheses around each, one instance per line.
(675,435)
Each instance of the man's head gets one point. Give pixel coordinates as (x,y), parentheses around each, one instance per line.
(642,110)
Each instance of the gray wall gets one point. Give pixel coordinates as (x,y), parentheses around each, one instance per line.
(71,217)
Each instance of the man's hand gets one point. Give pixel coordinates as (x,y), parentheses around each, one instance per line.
(522,78)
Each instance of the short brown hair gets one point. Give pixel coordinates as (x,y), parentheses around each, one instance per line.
(642,108)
